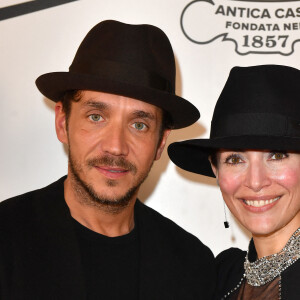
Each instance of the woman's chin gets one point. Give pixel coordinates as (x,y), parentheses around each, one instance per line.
(260,227)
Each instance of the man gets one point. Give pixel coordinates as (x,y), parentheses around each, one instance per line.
(87,236)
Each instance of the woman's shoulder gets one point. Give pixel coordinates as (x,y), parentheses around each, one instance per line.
(230,269)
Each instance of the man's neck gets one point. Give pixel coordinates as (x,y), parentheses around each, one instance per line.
(100,220)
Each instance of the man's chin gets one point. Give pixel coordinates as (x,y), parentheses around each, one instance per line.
(111,183)
(112,198)
(112,203)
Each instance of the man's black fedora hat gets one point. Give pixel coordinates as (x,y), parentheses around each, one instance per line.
(259,108)
(135,61)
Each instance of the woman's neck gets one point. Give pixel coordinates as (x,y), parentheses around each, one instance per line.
(266,245)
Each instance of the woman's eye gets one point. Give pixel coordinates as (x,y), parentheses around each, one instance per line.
(95,117)
(278,155)
(139,125)
(233,159)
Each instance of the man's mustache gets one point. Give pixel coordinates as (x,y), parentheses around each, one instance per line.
(110,161)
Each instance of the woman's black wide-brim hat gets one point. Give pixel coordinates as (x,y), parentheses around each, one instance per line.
(135,61)
(259,109)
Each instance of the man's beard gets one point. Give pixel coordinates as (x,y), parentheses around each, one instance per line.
(87,194)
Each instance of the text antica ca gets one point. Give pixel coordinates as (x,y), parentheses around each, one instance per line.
(285,16)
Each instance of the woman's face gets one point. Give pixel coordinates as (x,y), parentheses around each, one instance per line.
(261,189)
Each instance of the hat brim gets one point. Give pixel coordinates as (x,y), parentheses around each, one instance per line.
(54,85)
(192,155)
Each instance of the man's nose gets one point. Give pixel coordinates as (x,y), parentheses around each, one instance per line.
(115,141)
(257,177)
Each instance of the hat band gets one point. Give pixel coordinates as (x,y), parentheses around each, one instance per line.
(255,124)
(115,71)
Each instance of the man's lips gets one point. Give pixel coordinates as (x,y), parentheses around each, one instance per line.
(112,172)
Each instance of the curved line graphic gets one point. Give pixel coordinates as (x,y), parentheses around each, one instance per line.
(224,35)
(182,27)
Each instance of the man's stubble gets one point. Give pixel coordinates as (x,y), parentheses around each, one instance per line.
(87,194)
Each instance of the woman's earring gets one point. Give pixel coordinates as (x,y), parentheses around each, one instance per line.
(226,223)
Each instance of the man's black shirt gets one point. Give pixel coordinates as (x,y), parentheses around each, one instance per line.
(110,264)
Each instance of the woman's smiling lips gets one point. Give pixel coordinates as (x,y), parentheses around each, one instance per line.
(112,172)
(259,204)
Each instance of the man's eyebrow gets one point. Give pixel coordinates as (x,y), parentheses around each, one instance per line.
(104,106)
(143,114)
(96,104)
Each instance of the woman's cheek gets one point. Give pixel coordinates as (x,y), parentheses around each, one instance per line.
(288,177)
(229,183)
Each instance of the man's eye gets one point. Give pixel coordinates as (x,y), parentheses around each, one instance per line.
(233,159)
(95,117)
(139,125)
(278,155)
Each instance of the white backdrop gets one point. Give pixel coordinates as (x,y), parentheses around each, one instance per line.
(46,40)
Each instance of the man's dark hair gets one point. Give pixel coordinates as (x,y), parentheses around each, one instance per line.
(75,96)
(69,96)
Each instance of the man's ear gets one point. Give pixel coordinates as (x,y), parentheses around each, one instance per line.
(162,144)
(60,123)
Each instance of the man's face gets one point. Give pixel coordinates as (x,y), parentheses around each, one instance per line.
(113,141)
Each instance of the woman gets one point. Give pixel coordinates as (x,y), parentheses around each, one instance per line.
(254,152)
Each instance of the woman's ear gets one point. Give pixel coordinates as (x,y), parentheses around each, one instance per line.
(214,168)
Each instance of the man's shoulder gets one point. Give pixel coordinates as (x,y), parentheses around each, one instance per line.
(169,230)
(230,260)
(230,253)
(181,255)
(19,207)
(230,270)
(165,224)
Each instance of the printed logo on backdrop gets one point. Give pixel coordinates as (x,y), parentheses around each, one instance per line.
(21,7)
(269,27)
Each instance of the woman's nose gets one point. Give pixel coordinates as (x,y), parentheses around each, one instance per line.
(257,177)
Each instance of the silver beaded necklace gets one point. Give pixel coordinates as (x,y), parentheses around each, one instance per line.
(269,267)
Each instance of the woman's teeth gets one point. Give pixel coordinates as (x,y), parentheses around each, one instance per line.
(260,203)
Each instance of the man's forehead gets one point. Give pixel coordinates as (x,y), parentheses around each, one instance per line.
(103,100)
